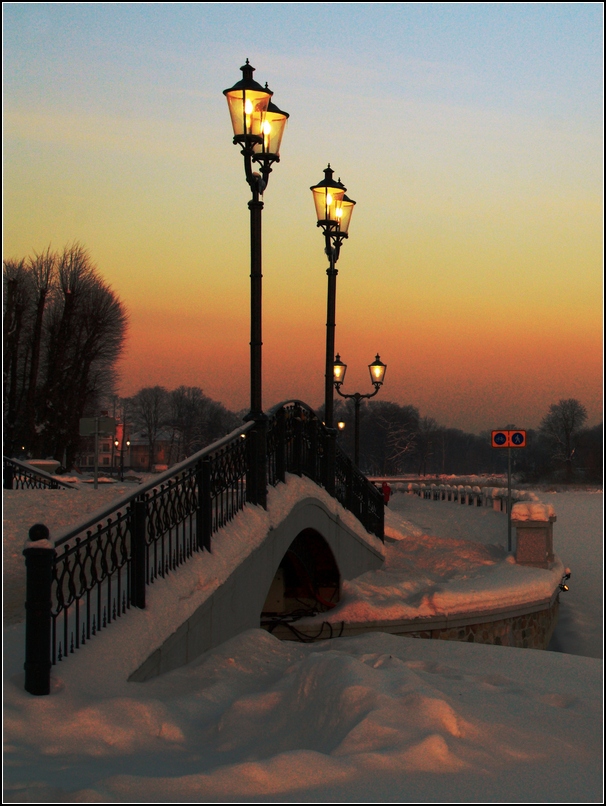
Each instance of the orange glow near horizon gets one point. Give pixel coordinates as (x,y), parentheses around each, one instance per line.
(474,259)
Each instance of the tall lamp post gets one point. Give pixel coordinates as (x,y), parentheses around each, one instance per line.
(333,212)
(258,127)
(377,376)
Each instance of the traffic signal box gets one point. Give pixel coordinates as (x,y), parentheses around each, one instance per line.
(508,439)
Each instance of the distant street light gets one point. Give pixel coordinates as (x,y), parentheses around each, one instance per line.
(258,127)
(121,449)
(377,375)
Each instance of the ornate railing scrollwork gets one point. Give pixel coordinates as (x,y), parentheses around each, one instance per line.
(101,568)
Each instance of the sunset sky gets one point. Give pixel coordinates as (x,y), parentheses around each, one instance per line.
(470,136)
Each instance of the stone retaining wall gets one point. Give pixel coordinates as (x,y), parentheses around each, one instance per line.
(529,631)
(525,627)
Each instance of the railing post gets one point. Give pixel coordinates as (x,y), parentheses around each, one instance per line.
(39,575)
(280,445)
(137,553)
(330,457)
(256,473)
(349,496)
(204,511)
(8,476)
(312,459)
(298,445)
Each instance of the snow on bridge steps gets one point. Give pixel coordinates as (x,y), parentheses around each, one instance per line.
(107,564)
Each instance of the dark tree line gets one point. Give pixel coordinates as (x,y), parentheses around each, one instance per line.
(64,329)
(396,440)
(189,418)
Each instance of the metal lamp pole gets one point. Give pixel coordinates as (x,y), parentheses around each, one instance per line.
(377,374)
(333,211)
(258,127)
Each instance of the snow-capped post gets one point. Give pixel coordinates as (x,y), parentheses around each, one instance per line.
(533,523)
(8,474)
(39,553)
(137,549)
(204,509)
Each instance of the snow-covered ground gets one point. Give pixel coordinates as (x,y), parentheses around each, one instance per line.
(372,718)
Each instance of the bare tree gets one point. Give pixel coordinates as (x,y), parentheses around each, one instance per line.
(150,412)
(427,432)
(64,330)
(561,426)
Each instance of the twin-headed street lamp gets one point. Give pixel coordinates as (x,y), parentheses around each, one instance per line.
(258,127)
(377,375)
(125,446)
(333,211)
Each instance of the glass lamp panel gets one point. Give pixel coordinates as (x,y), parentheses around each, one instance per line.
(247,109)
(338,370)
(272,131)
(328,201)
(344,213)
(377,371)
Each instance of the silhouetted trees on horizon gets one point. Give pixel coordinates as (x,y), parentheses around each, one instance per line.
(64,329)
(396,440)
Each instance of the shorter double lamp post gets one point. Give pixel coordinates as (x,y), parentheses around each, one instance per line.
(377,375)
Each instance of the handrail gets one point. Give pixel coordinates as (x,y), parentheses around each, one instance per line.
(32,474)
(166,475)
(99,568)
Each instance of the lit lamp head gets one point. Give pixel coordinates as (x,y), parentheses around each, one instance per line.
(344,214)
(328,199)
(116,443)
(338,371)
(377,372)
(272,131)
(248,102)
(340,425)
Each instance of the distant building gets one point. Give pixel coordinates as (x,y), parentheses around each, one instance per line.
(139,451)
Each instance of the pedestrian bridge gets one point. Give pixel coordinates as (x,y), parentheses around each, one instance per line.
(291,561)
(255,528)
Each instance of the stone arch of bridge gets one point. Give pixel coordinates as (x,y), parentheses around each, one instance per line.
(307,580)
(237,603)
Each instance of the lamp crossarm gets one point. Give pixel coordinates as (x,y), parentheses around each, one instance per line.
(357,396)
(257,181)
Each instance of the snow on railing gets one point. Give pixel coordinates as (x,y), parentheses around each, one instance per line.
(97,570)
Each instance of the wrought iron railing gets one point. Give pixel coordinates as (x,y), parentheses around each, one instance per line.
(18,475)
(101,568)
